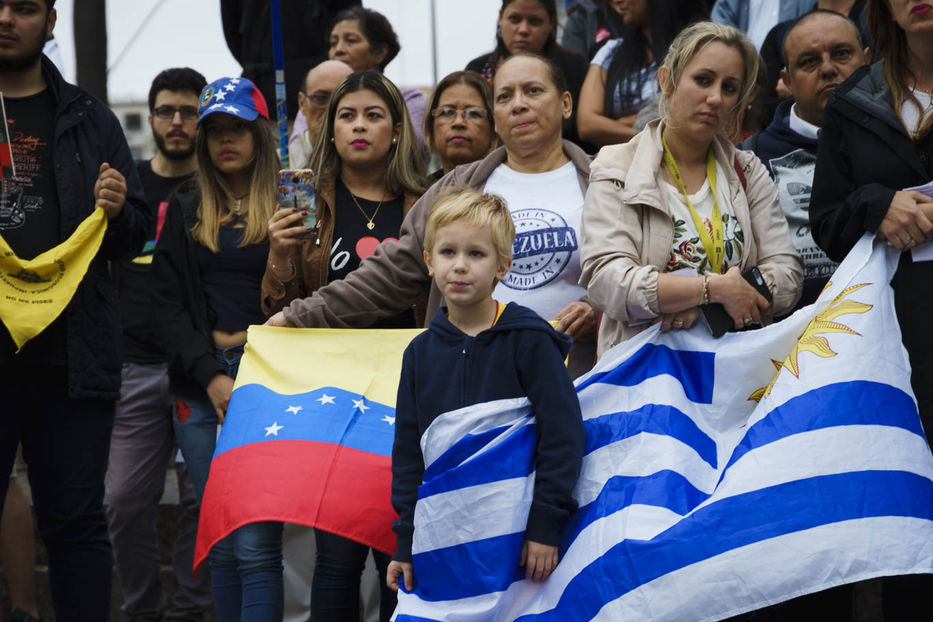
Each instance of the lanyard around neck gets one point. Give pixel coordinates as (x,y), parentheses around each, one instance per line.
(711,243)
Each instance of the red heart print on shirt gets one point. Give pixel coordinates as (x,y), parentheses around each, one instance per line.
(367,246)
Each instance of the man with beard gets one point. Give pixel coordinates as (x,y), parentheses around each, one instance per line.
(58,390)
(142,431)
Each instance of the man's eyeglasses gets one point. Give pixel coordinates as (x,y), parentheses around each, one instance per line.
(188,113)
(474,114)
(318,99)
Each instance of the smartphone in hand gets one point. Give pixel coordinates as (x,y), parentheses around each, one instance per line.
(721,322)
(296,189)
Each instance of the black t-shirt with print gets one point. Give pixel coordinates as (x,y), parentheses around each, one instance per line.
(134,278)
(30,219)
(354,240)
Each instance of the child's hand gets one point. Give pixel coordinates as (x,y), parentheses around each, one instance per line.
(405,569)
(538,559)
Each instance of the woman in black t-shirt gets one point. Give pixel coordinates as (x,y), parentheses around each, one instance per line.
(207,270)
(368,174)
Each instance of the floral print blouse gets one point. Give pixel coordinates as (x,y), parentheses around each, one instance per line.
(687,250)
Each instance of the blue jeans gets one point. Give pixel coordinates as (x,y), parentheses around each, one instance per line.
(246,566)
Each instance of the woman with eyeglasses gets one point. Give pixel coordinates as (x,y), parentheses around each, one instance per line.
(368,175)
(458,126)
(207,271)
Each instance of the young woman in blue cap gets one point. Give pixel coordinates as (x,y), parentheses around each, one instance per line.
(208,265)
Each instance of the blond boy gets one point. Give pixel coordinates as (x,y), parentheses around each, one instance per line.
(478,350)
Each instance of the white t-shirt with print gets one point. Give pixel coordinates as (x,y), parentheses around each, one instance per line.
(547,209)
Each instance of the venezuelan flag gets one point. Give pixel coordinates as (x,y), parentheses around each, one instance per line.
(308,435)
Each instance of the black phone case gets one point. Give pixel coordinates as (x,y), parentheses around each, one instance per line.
(716,317)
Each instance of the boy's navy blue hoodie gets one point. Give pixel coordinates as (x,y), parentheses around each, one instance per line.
(520,356)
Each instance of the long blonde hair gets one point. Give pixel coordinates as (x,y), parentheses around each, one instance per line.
(690,42)
(216,193)
(404,167)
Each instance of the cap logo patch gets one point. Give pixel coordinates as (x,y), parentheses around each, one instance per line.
(206,95)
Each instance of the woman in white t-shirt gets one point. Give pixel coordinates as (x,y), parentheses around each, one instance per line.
(679,195)
(621,78)
(543,179)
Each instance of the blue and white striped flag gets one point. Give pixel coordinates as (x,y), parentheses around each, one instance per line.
(719,476)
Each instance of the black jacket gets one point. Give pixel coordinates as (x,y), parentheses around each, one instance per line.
(87,134)
(444,369)
(865,155)
(184,320)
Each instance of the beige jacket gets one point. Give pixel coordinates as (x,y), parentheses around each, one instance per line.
(627,232)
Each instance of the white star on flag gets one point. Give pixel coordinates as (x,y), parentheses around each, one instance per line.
(229,86)
(293,409)
(234,81)
(231,109)
(326,399)
(359,404)
(220,95)
(273,430)
(389,420)
(216,106)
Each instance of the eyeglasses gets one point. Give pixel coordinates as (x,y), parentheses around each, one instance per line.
(474,114)
(188,113)
(318,99)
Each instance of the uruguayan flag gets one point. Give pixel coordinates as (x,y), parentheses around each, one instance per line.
(719,476)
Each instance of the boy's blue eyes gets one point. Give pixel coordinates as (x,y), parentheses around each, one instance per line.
(449,251)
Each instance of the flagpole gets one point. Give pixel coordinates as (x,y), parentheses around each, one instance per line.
(434,41)
(278,56)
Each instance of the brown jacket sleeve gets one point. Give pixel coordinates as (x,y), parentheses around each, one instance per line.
(386,283)
(277,293)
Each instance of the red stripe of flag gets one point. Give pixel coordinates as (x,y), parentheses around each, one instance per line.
(338,489)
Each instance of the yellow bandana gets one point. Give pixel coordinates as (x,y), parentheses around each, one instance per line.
(35,292)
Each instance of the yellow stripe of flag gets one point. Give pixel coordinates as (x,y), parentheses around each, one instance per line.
(292,361)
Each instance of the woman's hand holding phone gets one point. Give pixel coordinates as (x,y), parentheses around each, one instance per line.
(285,231)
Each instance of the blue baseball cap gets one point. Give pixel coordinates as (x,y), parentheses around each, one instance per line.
(234,96)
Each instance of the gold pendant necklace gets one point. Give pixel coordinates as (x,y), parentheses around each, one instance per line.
(369,219)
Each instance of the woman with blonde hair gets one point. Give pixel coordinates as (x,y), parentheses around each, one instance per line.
(367,176)
(876,142)
(207,267)
(679,195)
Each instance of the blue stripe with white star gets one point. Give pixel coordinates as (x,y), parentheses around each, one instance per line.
(327,415)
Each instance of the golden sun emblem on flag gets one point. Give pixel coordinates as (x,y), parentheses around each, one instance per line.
(811,341)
